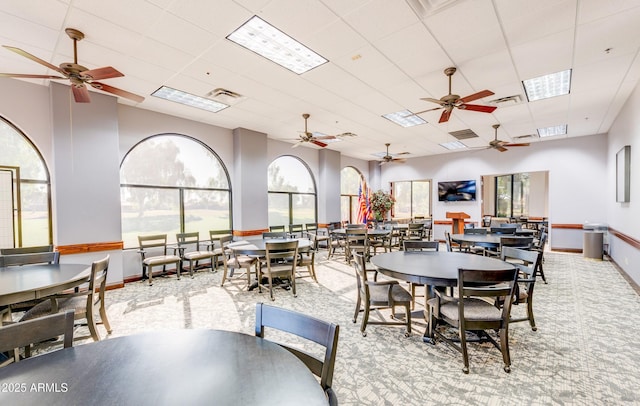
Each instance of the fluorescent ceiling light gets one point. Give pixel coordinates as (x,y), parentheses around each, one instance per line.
(266,40)
(453,145)
(189,99)
(404,118)
(553,130)
(543,87)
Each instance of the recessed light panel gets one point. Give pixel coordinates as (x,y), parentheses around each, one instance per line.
(453,145)
(553,130)
(552,85)
(404,118)
(189,99)
(266,40)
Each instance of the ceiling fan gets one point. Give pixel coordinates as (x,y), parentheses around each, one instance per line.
(77,74)
(316,138)
(391,158)
(500,145)
(450,101)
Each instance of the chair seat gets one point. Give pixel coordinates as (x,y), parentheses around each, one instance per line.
(161,260)
(78,304)
(380,293)
(474,309)
(241,261)
(197,255)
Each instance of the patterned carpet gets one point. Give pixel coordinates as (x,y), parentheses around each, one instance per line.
(582,354)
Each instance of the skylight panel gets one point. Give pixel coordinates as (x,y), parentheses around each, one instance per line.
(266,40)
(404,118)
(553,130)
(552,85)
(453,145)
(189,99)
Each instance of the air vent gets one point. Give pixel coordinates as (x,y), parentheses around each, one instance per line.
(426,8)
(508,100)
(225,96)
(524,137)
(464,134)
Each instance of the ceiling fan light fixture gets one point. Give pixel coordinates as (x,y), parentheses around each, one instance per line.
(546,86)
(189,99)
(453,145)
(269,42)
(552,131)
(404,118)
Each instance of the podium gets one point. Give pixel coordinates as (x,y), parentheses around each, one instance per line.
(458,221)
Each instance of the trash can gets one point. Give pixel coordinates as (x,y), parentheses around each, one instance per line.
(593,240)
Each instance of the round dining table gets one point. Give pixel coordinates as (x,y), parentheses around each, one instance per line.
(31,282)
(181,367)
(258,247)
(483,240)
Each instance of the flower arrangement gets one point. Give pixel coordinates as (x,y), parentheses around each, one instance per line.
(381,203)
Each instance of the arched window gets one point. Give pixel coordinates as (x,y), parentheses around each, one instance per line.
(25,191)
(350,179)
(292,192)
(172,184)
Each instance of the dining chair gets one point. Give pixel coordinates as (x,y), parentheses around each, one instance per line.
(307,259)
(539,246)
(26,250)
(415,232)
(153,251)
(281,261)
(357,240)
(277,228)
(31,258)
(232,261)
(475,312)
(296,230)
(189,248)
(267,235)
(84,303)
(419,246)
(527,263)
(215,246)
(310,328)
(373,295)
(24,334)
(469,247)
(321,237)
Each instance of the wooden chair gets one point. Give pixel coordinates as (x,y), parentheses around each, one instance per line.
(232,261)
(356,239)
(24,334)
(415,232)
(539,246)
(26,250)
(31,258)
(277,228)
(216,247)
(296,230)
(307,258)
(84,303)
(267,235)
(415,245)
(379,295)
(281,262)
(476,312)
(309,328)
(321,237)
(152,243)
(189,247)
(527,263)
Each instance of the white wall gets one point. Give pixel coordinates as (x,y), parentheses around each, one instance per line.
(577,167)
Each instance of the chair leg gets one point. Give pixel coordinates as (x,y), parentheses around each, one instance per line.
(150,275)
(365,320)
(191,268)
(224,275)
(270,287)
(91,323)
(408,317)
(463,348)
(293,283)
(504,347)
(103,317)
(540,272)
(532,321)
(358,303)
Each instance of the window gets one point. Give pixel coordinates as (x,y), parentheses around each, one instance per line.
(350,179)
(413,199)
(292,192)
(186,189)
(512,195)
(25,191)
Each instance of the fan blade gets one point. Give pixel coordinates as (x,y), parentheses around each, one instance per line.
(323,137)
(117,92)
(347,134)
(432,100)
(423,111)
(27,76)
(516,145)
(318,143)
(476,96)
(445,116)
(501,149)
(80,93)
(399,160)
(297,144)
(477,107)
(36,59)
(101,73)
(382,163)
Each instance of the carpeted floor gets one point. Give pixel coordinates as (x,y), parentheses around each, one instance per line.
(584,352)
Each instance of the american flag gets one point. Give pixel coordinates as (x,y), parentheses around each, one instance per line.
(364,209)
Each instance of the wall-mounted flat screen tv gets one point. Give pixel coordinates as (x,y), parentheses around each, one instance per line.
(457,191)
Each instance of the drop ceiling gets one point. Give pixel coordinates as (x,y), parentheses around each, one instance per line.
(384,56)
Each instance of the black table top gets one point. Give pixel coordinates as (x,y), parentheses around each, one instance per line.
(181,367)
(439,268)
(484,240)
(28,282)
(258,247)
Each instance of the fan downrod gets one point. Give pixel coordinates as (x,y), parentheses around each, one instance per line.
(74,34)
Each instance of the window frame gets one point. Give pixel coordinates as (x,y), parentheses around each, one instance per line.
(291,194)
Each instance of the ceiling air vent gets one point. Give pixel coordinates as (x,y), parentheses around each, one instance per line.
(225,96)
(508,100)
(426,8)
(463,134)
(525,137)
